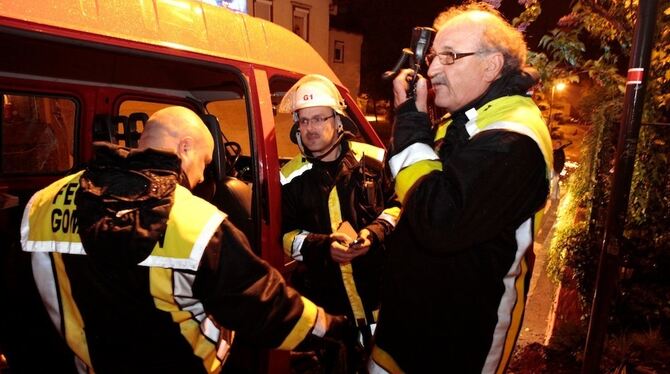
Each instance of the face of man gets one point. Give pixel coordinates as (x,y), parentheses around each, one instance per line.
(318,129)
(465,80)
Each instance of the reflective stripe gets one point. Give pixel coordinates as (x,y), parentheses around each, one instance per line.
(302,327)
(183,295)
(513,113)
(523,130)
(361,338)
(184,243)
(320,326)
(60,247)
(411,174)
(53,205)
(361,149)
(374,368)
(390,215)
(346,270)
(510,309)
(46,285)
(411,155)
(382,363)
(441,131)
(73,323)
(172,292)
(294,168)
(292,242)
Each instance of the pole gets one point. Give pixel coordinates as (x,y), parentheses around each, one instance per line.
(608,266)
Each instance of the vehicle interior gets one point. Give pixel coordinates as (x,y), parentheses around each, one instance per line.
(41,126)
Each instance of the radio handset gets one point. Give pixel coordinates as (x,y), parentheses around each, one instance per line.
(419,46)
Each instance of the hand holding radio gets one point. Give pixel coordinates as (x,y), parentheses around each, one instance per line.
(415,55)
(401,87)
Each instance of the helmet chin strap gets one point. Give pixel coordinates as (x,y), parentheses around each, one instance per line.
(307,154)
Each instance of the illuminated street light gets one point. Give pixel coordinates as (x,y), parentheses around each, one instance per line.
(560,86)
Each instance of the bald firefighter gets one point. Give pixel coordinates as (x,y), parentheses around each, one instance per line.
(139,275)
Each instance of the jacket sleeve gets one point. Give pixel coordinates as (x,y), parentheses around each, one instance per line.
(244,293)
(386,221)
(497,180)
(299,243)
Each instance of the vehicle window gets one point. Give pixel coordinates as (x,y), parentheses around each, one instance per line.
(283,121)
(232,116)
(133,114)
(37,133)
(129,107)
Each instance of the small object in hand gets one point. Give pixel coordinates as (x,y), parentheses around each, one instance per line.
(356,242)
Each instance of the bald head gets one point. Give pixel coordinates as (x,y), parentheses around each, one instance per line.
(181,131)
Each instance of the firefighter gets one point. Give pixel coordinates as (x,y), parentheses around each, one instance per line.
(460,258)
(338,205)
(139,275)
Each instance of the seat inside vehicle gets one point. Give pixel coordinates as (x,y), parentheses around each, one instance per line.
(228,193)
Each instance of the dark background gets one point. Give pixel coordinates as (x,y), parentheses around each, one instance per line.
(386,26)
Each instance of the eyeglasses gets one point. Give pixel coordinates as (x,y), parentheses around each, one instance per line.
(447,58)
(316,120)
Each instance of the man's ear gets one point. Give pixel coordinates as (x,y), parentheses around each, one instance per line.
(185,146)
(493,66)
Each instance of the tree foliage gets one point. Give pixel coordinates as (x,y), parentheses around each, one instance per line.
(594,42)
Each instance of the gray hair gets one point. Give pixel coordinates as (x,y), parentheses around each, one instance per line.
(497,34)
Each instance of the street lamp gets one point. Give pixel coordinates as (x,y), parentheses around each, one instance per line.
(560,86)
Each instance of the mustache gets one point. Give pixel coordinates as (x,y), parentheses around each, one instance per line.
(438,80)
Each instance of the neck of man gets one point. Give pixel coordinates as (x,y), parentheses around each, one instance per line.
(330,154)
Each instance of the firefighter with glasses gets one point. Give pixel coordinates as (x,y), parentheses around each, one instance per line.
(338,205)
(460,258)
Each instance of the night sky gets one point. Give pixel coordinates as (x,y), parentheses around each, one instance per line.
(387,25)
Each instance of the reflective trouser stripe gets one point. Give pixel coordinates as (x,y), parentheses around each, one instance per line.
(346,269)
(382,363)
(512,303)
(72,321)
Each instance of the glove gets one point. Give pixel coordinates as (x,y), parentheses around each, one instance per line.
(328,331)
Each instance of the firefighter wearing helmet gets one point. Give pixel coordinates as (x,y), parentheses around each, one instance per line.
(320,103)
(338,205)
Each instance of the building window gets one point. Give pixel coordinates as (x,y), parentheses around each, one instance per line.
(301,21)
(234,5)
(338,52)
(263,9)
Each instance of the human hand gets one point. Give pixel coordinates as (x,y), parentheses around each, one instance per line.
(339,248)
(362,244)
(401,85)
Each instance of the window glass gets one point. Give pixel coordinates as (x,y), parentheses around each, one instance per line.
(301,21)
(129,107)
(232,116)
(283,121)
(37,133)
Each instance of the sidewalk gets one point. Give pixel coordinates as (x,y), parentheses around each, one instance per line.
(541,291)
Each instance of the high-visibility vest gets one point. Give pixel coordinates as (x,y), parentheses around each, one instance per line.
(49,226)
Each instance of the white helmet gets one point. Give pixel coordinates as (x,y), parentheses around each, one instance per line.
(316,90)
(310,91)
